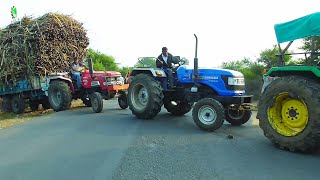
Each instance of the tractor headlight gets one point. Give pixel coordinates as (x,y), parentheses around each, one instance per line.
(120,80)
(235,81)
(159,73)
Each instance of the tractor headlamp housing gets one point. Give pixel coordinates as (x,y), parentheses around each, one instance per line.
(235,81)
(159,73)
(117,80)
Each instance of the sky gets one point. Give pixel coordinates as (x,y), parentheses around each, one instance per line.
(127,29)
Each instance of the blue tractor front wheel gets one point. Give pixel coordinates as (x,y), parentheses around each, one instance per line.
(208,114)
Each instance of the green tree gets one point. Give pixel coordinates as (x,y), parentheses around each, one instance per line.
(238,65)
(307,44)
(269,57)
(248,68)
(102,62)
(98,66)
(146,62)
(311,44)
(125,70)
(252,71)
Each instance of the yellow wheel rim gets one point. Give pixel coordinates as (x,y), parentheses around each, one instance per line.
(288,116)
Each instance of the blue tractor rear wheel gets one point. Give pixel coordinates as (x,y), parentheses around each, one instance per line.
(145,96)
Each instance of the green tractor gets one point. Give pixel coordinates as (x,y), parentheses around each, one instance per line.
(289,106)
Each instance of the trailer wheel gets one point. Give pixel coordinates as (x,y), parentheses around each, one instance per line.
(123,101)
(34,105)
(208,114)
(18,104)
(6,104)
(59,95)
(96,102)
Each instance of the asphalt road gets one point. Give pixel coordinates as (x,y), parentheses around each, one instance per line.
(79,144)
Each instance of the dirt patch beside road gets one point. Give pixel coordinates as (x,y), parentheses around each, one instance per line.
(10,119)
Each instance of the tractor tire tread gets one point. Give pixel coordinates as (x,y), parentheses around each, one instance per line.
(297,86)
(65,91)
(156,95)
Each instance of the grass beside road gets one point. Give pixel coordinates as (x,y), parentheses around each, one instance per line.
(11,119)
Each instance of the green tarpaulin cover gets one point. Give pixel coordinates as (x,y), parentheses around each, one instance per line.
(303,27)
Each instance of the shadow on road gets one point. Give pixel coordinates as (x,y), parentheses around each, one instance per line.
(114,121)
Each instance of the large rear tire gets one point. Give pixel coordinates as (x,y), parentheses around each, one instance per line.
(96,102)
(289,115)
(237,117)
(208,114)
(178,108)
(145,96)
(59,95)
(18,104)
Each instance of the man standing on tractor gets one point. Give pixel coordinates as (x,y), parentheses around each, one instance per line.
(76,69)
(127,77)
(164,61)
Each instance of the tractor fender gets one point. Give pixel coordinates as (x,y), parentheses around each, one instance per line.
(266,81)
(61,78)
(155,72)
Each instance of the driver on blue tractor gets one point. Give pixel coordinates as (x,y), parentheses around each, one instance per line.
(76,69)
(164,61)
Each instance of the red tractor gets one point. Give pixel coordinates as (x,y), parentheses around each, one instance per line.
(96,86)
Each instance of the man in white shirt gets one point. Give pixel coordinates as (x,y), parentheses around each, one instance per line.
(76,69)
(164,61)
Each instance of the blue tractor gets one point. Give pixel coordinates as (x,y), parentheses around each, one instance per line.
(214,95)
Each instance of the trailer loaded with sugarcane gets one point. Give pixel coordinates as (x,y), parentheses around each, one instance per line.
(288,109)
(35,58)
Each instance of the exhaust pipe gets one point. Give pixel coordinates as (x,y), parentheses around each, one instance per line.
(90,66)
(195,69)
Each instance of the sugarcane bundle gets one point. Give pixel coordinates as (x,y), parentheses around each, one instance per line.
(39,46)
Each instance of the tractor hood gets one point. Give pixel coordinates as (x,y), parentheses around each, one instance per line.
(219,71)
(224,81)
(103,73)
(210,72)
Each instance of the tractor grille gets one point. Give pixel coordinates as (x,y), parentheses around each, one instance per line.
(118,80)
